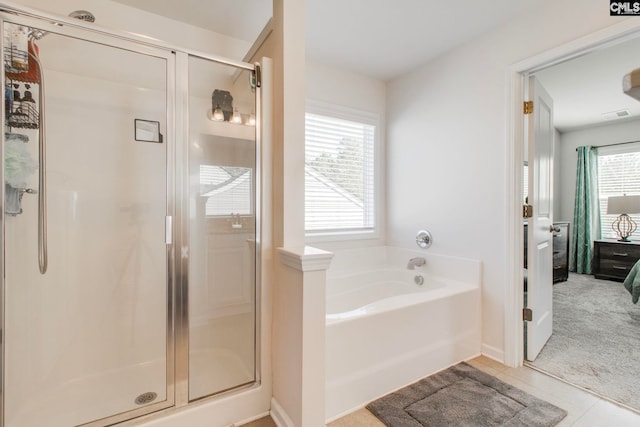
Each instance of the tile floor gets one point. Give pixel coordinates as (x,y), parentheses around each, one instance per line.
(262,422)
(585,409)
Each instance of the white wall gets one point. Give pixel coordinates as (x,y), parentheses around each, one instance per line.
(286,46)
(342,88)
(447,145)
(283,193)
(569,141)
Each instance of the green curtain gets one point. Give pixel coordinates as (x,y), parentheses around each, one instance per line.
(586,214)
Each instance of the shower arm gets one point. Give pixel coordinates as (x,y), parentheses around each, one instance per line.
(42,170)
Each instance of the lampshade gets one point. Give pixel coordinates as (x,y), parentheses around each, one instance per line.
(623,205)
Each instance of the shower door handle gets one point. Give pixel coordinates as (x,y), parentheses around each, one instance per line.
(43,256)
(168,230)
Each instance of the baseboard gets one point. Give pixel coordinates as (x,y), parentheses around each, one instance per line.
(279,415)
(345,413)
(493,353)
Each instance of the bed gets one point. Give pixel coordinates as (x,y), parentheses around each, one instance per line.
(632,282)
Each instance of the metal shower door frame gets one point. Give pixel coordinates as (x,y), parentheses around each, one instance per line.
(79,30)
(177,129)
(183,221)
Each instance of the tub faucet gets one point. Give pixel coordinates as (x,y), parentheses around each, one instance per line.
(416,262)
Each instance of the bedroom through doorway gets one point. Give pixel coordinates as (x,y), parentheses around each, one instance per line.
(595,324)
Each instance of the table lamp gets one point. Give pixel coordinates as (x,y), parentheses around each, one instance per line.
(624,226)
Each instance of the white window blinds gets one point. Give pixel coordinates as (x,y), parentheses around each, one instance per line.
(618,174)
(227,190)
(339,175)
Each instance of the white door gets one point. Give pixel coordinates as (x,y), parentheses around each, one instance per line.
(540,247)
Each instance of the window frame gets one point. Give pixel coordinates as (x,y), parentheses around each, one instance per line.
(368,118)
(609,150)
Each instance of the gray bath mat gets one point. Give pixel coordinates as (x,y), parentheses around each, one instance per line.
(464,396)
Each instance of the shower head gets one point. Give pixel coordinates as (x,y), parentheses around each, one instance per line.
(36,34)
(83,15)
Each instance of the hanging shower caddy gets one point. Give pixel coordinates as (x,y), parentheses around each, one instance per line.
(23,103)
(22,79)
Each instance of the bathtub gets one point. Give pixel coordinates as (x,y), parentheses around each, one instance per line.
(384,331)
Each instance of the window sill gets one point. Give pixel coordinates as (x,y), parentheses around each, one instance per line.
(341,236)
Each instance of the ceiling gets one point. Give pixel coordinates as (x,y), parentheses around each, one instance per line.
(384,39)
(378,38)
(585,88)
(240,19)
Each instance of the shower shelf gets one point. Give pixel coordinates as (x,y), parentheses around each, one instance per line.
(23,113)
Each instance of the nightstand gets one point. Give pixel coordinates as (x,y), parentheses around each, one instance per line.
(560,252)
(613,259)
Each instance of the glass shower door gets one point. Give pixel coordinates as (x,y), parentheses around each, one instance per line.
(87,341)
(222,228)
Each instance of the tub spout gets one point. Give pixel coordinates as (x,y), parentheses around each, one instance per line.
(416,262)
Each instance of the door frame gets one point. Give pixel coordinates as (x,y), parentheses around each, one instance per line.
(515,132)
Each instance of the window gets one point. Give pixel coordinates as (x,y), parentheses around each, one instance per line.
(339,173)
(227,190)
(618,174)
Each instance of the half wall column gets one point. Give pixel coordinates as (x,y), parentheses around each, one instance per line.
(299,337)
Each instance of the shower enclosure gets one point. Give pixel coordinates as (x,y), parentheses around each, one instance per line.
(130,224)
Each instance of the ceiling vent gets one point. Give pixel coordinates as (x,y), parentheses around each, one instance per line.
(631,84)
(614,115)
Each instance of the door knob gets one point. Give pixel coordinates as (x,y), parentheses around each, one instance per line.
(554,229)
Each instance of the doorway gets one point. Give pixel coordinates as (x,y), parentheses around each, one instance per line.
(542,67)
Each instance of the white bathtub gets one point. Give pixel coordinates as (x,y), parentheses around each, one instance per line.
(384,331)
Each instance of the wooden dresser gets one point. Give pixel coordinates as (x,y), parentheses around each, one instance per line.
(612,259)
(560,251)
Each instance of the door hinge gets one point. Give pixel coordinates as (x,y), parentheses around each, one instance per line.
(528,107)
(527,211)
(257,76)
(527,314)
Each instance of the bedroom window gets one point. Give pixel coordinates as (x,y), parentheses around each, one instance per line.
(340,193)
(618,174)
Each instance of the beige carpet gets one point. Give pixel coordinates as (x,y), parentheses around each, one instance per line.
(596,338)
